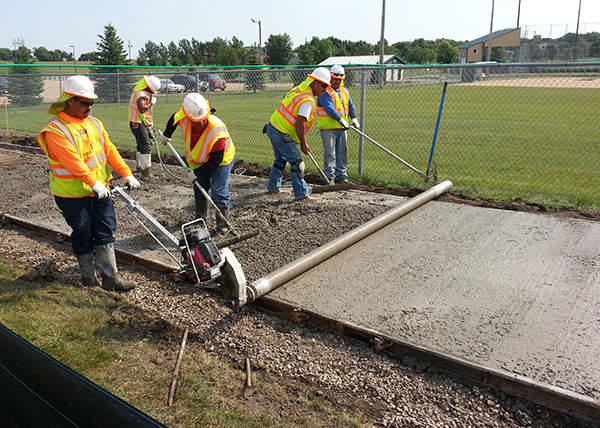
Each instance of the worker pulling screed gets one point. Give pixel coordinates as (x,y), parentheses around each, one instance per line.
(81,154)
(288,128)
(140,120)
(335,110)
(209,153)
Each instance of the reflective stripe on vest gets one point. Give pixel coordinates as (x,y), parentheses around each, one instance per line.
(214,131)
(134,112)
(284,118)
(62,182)
(340,103)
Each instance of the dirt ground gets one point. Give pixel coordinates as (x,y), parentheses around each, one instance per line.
(391,393)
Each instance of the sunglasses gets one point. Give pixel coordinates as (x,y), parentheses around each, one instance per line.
(337,75)
(324,85)
(85,103)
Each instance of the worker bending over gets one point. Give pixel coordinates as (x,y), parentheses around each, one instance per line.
(140,120)
(81,155)
(209,154)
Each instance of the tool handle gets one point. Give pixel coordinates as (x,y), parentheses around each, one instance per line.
(204,192)
(319,168)
(402,161)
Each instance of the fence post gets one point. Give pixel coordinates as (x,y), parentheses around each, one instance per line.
(363,100)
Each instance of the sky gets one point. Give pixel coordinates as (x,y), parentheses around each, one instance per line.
(76,26)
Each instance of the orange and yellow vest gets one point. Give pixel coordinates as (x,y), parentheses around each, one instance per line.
(214,131)
(62,182)
(134,114)
(284,118)
(340,102)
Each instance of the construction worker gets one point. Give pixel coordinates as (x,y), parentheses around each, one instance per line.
(81,156)
(140,120)
(288,128)
(334,110)
(209,154)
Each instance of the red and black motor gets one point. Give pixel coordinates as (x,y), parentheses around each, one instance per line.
(200,255)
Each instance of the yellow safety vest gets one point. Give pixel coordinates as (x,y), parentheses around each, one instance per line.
(134,114)
(284,118)
(214,131)
(324,121)
(62,182)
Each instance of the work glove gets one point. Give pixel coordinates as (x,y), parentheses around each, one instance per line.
(164,139)
(355,123)
(345,124)
(132,182)
(153,100)
(100,190)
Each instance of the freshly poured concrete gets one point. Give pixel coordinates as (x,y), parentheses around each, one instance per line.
(510,290)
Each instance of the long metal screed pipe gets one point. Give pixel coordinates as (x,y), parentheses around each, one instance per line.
(263,285)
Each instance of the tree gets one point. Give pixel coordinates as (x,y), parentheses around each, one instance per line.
(254,80)
(111,53)
(446,53)
(25,90)
(173,51)
(185,52)
(279,49)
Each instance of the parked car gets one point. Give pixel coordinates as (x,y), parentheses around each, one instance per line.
(189,82)
(3,85)
(167,85)
(214,81)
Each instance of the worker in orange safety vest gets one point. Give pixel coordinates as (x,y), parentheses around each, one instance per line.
(81,156)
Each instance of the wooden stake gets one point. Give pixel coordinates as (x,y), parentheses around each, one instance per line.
(177,365)
(248,373)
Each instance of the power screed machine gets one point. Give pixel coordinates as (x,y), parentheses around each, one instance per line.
(198,257)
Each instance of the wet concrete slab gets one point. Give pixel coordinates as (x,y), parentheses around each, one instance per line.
(510,290)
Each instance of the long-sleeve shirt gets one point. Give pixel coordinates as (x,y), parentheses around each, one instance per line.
(326,102)
(217,152)
(61,149)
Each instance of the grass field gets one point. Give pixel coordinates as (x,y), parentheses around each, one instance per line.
(535,143)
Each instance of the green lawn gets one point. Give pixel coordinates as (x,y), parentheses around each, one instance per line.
(539,144)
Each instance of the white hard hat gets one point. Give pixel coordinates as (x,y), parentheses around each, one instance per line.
(337,72)
(79,86)
(321,74)
(196,107)
(153,83)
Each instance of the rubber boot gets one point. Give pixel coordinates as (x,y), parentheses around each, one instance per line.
(145,164)
(137,162)
(202,209)
(221,224)
(88,272)
(107,262)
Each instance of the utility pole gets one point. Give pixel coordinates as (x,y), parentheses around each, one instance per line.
(259,38)
(489,52)
(382,43)
(129,45)
(577,32)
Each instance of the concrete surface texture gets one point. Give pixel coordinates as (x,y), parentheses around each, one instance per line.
(510,290)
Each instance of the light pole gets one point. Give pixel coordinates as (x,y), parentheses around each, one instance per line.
(74,60)
(259,38)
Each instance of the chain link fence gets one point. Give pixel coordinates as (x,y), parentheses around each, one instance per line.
(499,131)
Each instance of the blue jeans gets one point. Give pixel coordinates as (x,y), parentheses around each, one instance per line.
(217,183)
(93,221)
(286,151)
(335,153)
